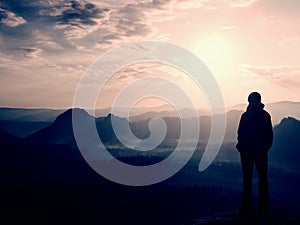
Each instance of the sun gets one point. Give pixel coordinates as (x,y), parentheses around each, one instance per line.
(215,51)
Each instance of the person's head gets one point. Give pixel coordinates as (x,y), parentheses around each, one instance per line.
(254,98)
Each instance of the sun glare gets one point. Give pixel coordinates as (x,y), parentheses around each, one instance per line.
(214,51)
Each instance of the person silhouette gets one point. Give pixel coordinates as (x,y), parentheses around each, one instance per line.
(255,137)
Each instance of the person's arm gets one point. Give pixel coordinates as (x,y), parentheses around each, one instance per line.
(240,133)
(269,132)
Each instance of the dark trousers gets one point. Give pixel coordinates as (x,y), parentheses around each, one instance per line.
(261,163)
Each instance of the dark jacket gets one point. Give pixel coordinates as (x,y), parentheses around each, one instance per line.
(255,132)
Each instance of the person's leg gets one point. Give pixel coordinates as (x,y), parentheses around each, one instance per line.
(261,164)
(247,168)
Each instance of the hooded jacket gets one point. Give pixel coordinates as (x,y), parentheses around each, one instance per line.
(255,132)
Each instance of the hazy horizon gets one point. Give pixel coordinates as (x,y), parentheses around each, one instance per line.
(151,107)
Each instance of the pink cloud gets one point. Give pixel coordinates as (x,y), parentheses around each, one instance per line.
(271,72)
(214,4)
(284,76)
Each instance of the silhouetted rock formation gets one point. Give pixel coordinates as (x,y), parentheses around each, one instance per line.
(286,147)
(61,130)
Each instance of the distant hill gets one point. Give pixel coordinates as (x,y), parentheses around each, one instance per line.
(22,128)
(61,130)
(121,111)
(26,115)
(278,111)
(285,151)
(24,122)
(188,113)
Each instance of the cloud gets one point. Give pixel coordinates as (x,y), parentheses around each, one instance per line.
(241,3)
(87,24)
(139,71)
(91,23)
(74,18)
(77,18)
(279,7)
(210,4)
(10,19)
(133,20)
(45,41)
(30,52)
(135,72)
(228,27)
(285,76)
(271,72)
(213,4)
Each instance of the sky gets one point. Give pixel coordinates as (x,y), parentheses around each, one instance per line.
(47,45)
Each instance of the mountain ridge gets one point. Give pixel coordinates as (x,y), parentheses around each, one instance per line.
(278,109)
